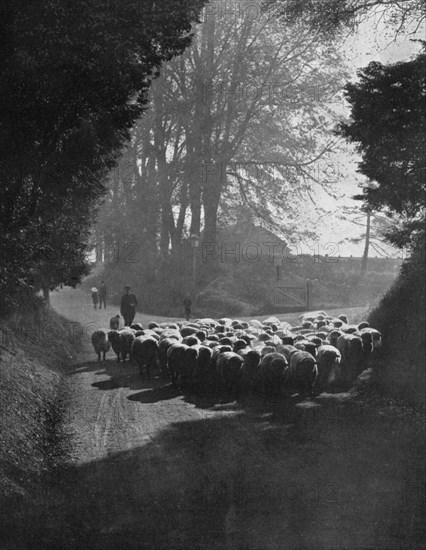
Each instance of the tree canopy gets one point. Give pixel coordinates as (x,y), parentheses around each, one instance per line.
(388,124)
(75,78)
(329,17)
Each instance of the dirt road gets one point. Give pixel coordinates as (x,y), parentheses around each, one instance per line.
(154,469)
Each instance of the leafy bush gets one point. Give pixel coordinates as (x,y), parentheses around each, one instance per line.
(400,317)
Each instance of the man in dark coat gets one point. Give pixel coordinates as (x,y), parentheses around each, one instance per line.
(187,303)
(102,295)
(128,306)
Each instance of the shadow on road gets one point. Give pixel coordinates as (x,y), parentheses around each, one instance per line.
(319,475)
(161,392)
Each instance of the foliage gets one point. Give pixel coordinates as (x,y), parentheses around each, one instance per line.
(238,123)
(75,78)
(389,127)
(401,317)
(332,16)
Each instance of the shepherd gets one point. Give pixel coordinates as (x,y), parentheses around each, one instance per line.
(128,306)
(187,303)
(102,295)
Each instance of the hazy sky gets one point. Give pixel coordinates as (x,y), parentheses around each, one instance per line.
(374,41)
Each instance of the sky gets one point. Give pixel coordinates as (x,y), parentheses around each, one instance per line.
(374,41)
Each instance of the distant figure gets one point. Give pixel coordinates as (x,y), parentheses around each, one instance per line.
(102,295)
(114,322)
(95,297)
(187,303)
(128,306)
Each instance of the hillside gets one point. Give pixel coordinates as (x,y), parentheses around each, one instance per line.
(36,350)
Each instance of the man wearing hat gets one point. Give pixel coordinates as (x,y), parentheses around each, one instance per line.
(128,306)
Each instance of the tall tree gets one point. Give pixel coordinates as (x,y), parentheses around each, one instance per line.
(75,79)
(242,113)
(389,127)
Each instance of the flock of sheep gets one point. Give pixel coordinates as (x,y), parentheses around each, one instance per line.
(320,353)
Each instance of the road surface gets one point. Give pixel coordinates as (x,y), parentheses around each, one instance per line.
(154,469)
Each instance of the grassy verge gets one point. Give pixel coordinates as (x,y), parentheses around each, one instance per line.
(36,350)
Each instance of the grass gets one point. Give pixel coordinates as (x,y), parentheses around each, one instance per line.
(33,358)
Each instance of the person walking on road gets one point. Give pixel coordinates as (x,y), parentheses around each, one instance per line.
(95,297)
(128,306)
(187,303)
(102,295)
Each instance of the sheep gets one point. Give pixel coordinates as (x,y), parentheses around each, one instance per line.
(187,331)
(351,350)
(302,372)
(126,337)
(191,341)
(171,333)
(144,352)
(114,322)
(100,343)
(333,336)
(328,364)
(286,350)
(176,361)
(225,341)
(376,335)
(163,346)
(136,326)
(228,367)
(239,344)
(267,349)
(251,361)
(272,371)
(114,339)
(201,380)
(201,335)
(152,325)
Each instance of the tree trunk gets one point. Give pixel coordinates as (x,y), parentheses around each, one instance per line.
(211,198)
(367,245)
(46,295)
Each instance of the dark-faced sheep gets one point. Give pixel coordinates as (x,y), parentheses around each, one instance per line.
(126,337)
(333,336)
(176,362)
(187,331)
(163,346)
(350,347)
(302,372)
(114,322)
(201,375)
(267,349)
(286,350)
(114,339)
(228,367)
(272,371)
(100,343)
(376,336)
(144,353)
(249,369)
(239,344)
(216,351)
(191,341)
